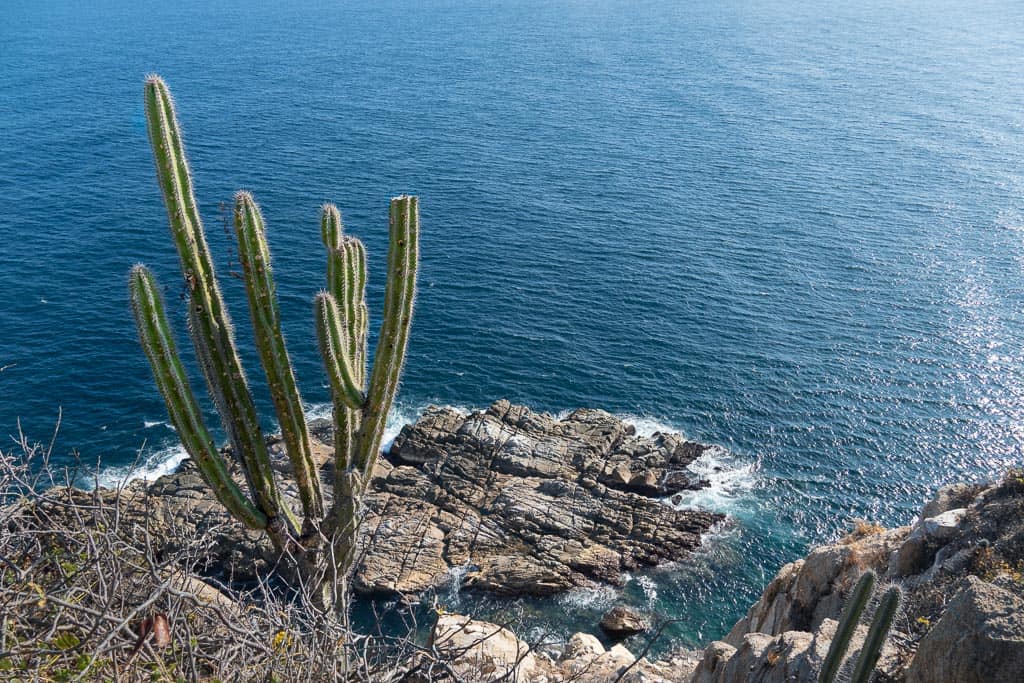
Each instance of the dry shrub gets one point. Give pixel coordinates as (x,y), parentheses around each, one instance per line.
(84,595)
(861,529)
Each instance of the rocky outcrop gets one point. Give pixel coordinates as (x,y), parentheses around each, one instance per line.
(481,652)
(978,639)
(514,501)
(525,502)
(621,622)
(961,568)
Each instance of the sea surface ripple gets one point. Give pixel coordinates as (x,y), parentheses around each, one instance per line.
(790,229)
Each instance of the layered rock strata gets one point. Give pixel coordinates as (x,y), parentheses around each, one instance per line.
(961,569)
(513,501)
(525,503)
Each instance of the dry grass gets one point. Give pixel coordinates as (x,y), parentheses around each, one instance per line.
(861,529)
(85,596)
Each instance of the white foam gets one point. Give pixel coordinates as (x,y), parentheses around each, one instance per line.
(151,466)
(647,427)
(732,479)
(594,597)
(155,464)
(452,593)
(400,416)
(649,588)
(397,418)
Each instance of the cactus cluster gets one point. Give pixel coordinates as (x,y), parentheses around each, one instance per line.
(871,650)
(361,404)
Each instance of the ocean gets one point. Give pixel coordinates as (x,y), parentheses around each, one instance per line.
(792,230)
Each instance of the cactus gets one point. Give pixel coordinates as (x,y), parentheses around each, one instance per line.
(342,320)
(182,406)
(871,650)
(879,631)
(847,625)
(360,412)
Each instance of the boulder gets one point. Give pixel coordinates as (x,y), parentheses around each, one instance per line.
(925,539)
(481,651)
(621,622)
(582,646)
(979,639)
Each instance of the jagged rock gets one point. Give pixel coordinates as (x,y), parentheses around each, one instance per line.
(621,622)
(481,651)
(925,539)
(513,495)
(532,504)
(979,639)
(582,646)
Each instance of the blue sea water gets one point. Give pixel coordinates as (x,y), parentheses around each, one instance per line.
(794,230)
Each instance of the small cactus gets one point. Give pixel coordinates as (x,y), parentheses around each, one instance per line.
(871,650)
(847,625)
(879,631)
(342,320)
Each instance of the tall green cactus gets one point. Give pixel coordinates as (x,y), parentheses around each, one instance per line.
(854,607)
(871,650)
(885,613)
(360,409)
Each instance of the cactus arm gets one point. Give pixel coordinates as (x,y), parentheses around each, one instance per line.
(182,407)
(360,314)
(346,419)
(331,228)
(346,280)
(880,625)
(266,319)
(331,334)
(847,625)
(210,327)
(403,254)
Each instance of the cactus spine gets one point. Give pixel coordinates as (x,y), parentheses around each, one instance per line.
(342,322)
(855,605)
(879,631)
(871,650)
(182,406)
(360,412)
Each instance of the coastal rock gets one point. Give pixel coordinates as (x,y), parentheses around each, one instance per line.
(925,539)
(621,622)
(806,592)
(969,544)
(979,639)
(582,646)
(509,500)
(481,651)
(787,656)
(528,503)
(950,497)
